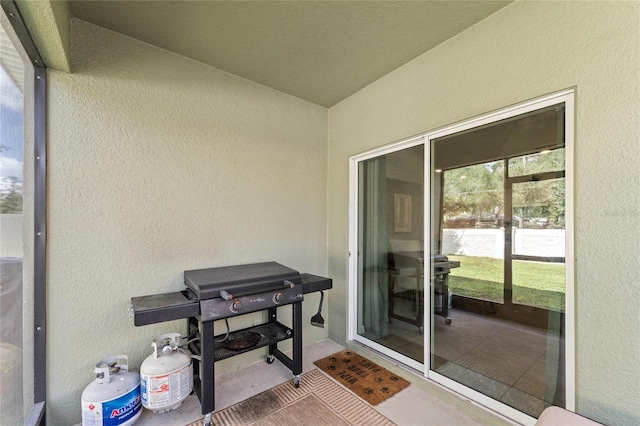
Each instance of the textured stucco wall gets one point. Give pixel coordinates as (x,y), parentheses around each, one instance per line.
(527,50)
(158,164)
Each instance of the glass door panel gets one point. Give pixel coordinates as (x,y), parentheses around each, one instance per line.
(390,289)
(499,231)
(13,351)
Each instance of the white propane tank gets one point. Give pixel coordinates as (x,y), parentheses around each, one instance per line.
(113,399)
(166,377)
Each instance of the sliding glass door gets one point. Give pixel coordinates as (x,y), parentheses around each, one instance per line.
(459,269)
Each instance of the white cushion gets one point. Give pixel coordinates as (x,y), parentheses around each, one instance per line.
(556,416)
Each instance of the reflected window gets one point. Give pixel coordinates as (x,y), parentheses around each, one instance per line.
(22,390)
(11,231)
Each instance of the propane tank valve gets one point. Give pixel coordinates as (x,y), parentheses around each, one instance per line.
(167,349)
(113,368)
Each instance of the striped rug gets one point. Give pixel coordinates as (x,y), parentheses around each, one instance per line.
(318,401)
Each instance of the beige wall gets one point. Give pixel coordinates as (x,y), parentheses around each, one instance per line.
(158,164)
(524,51)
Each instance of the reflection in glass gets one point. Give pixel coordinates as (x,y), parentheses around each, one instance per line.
(539,241)
(530,290)
(11,225)
(498,209)
(473,217)
(390,241)
(545,161)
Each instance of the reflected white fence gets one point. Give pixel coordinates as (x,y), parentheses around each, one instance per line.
(490,242)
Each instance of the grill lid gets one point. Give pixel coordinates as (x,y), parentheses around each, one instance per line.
(239,280)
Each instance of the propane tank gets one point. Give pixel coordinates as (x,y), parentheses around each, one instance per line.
(166,377)
(113,399)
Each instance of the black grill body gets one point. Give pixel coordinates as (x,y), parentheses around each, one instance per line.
(220,293)
(239,280)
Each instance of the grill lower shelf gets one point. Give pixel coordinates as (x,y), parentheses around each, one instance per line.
(262,335)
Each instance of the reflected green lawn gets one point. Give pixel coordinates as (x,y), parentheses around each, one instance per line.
(534,283)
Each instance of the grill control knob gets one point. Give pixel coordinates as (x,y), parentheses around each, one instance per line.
(236,306)
(277,298)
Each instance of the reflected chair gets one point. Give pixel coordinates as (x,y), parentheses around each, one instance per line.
(406,280)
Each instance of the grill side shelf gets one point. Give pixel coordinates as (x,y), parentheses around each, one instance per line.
(312,283)
(163,307)
(264,335)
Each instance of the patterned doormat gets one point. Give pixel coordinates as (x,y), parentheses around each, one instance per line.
(319,401)
(365,378)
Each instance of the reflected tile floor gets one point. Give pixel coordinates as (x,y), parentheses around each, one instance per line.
(506,361)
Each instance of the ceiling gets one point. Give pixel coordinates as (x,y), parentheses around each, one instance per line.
(320,51)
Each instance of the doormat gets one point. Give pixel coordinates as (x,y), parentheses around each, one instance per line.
(319,401)
(365,378)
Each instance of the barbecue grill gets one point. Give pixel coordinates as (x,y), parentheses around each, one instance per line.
(220,293)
